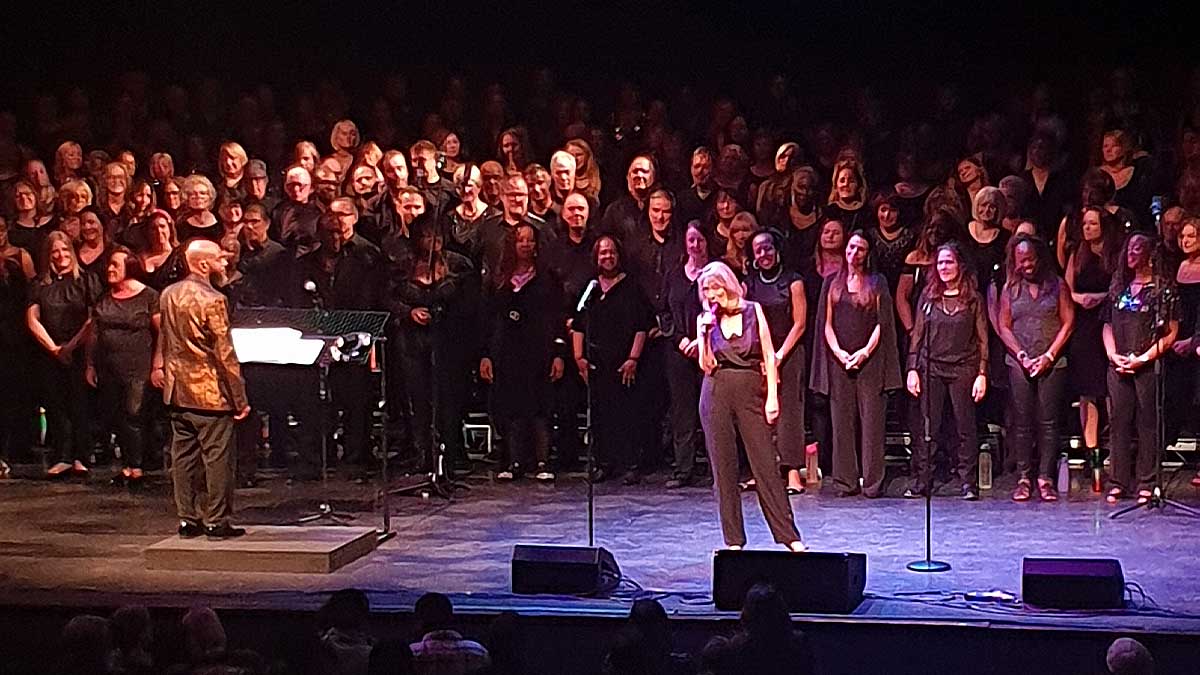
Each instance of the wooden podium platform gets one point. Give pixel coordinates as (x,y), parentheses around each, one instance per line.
(293,549)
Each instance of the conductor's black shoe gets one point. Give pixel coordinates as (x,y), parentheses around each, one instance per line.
(224,531)
(189,530)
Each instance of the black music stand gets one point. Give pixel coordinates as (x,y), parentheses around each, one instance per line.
(332,326)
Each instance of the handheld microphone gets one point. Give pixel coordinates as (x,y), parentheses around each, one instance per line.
(587,295)
(1156,210)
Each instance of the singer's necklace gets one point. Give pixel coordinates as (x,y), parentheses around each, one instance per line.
(765,280)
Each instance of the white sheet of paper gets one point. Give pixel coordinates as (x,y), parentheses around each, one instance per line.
(280,346)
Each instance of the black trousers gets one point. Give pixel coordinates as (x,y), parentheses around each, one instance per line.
(858,407)
(351,391)
(789,432)
(63,393)
(1035,402)
(18,411)
(821,418)
(654,396)
(570,400)
(731,402)
(203,460)
(278,390)
(684,378)
(423,384)
(934,391)
(617,419)
(1133,411)
(125,404)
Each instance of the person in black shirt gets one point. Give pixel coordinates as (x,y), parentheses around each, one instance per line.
(28,228)
(59,304)
(609,335)
(93,248)
(461,224)
(523,354)
(891,240)
(439,194)
(948,355)
(848,196)
(780,292)
(622,216)
(294,222)
(1139,326)
(264,264)
(696,201)
(16,368)
(497,229)
(541,202)
(680,299)
(123,359)
(197,219)
(432,302)
(348,274)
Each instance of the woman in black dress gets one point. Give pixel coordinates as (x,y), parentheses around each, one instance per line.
(57,316)
(1088,275)
(824,261)
(855,365)
(680,296)
(93,248)
(1181,369)
(16,369)
(608,336)
(1139,327)
(524,353)
(780,292)
(740,395)
(804,217)
(1036,316)
(123,361)
(158,264)
(433,303)
(948,356)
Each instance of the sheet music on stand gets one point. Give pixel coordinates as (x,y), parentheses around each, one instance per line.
(313,323)
(275,346)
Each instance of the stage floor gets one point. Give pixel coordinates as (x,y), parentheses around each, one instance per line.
(81,544)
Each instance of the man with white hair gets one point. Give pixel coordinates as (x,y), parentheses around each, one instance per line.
(204,392)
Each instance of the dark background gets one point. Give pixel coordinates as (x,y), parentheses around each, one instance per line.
(724,45)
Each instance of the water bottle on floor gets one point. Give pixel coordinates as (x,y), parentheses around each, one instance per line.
(1064,474)
(985,468)
(812,471)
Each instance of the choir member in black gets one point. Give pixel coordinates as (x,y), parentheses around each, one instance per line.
(737,355)
(828,258)
(622,215)
(569,257)
(16,368)
(948,355)
(264,263)
(27,227)
(524,353)
(891,240)
(608,336)
(681,299)
(1052,188)
(1139,326)
(804,216)
(432,301)
(1181,367)
(197,219)
(718,220)
(123,361)
(696,201)
(1096,189)
(347,273)
(93,246)
(779,291)
(17,255)
(1088,274)
(919,263)
(855,365)
(848,196)
(498,228)
(1036,317)
(294,221)
(462,222)
(439,194)
(738,243)
(158,261)
(59,305)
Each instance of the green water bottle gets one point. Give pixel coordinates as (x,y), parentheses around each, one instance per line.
(42,426)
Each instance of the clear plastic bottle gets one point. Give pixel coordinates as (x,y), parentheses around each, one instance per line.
(985,468)
(1064,474)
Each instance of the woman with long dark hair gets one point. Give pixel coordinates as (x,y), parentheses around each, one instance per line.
(736,355)
(826,259)
(1181,369)
(779,290)
(1139,327)
(524,351)
(1088,275)
(941,228)
(608,337)
(57,316)
(680,297)
(433,303)
(948,356)
(123,361)
(1036,317)
(856,366)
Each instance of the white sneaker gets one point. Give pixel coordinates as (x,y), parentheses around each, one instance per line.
(506,474)
(544,475)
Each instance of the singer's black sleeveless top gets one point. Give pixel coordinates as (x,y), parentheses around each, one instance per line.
(738,352)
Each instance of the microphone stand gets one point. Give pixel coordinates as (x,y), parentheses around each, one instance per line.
(591,434)
(1158,499)
(927,564)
